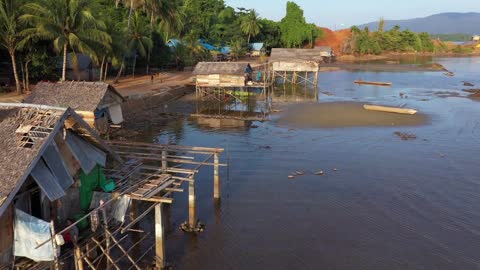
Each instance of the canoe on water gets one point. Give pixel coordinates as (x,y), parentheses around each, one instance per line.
(389,109)
(373,83)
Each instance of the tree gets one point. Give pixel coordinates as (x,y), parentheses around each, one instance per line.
(295,31)
(381,25)
(138,38)
(250,25)
(69,23)
(10,32)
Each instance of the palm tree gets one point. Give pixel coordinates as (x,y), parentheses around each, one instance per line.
(69,23)
(116,52)
(138,39)
(10,32)
(169,14)
(250,24)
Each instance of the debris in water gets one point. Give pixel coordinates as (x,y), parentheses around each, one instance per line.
(265,147)
(299,173)
(254,126)
(468,84)
(327,93)
(405,136)
(198,228)
(450,74)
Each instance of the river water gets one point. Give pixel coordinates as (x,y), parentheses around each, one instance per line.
(383,203)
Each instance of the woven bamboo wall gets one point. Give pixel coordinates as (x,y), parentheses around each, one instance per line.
(220,80)
(295,66)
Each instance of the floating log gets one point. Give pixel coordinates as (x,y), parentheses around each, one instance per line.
(389,109)
(373,83)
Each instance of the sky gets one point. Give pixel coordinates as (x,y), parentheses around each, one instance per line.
(339,14)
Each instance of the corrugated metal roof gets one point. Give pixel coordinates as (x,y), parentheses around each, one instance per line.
(77,147)
(54,161)
(47,181)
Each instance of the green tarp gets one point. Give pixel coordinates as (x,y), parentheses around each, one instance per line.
(90,182)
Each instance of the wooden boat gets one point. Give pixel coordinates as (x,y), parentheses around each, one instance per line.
(389,109)
(373,83)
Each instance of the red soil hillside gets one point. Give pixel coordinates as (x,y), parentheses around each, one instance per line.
(334,39)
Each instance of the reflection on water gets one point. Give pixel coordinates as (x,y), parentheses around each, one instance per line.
(390,204)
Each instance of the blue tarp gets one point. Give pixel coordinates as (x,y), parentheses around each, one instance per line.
(225,50)
(206,45)
(29,232)
(173,43)
(256,46)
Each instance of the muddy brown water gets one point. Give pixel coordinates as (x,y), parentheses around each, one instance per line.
(390,204)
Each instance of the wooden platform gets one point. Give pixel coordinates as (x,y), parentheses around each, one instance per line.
(152,187)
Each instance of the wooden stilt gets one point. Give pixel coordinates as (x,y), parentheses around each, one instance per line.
(216,177)
(159,238)
(164,161)
(78,258)
(192,215)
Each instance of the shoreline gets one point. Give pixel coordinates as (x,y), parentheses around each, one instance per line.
(396,56)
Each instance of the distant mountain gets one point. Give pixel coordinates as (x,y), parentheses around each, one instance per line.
(443,23)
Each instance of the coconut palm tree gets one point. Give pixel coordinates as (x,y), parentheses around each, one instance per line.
(250,24)
(10,32)
(69,23)
(138,38)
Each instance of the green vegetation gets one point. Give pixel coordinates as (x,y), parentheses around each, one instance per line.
(451,37)
(295,32)
(394,40)
(122,36)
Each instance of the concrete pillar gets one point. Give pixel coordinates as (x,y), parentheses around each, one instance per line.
(216,177)
(159,238)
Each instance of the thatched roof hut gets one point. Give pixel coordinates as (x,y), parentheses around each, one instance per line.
(226,68)
(296,55)
(27,134)
(99,103)
(295,60)
(220,74)
(43,150)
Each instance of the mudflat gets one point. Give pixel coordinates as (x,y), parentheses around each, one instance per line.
(344,114)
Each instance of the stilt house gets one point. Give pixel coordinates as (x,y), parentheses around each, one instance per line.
(45,151)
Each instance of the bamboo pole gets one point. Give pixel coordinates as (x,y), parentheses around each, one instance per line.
(56,266)
(107,255)
(78,258)
(107,237)
(121,249)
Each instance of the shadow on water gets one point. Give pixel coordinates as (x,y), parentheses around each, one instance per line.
(382,203)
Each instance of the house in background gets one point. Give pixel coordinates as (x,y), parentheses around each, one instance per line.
(256,49)
(220,74)
(82,69)
(476,38)
(98,103)
(44,150)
